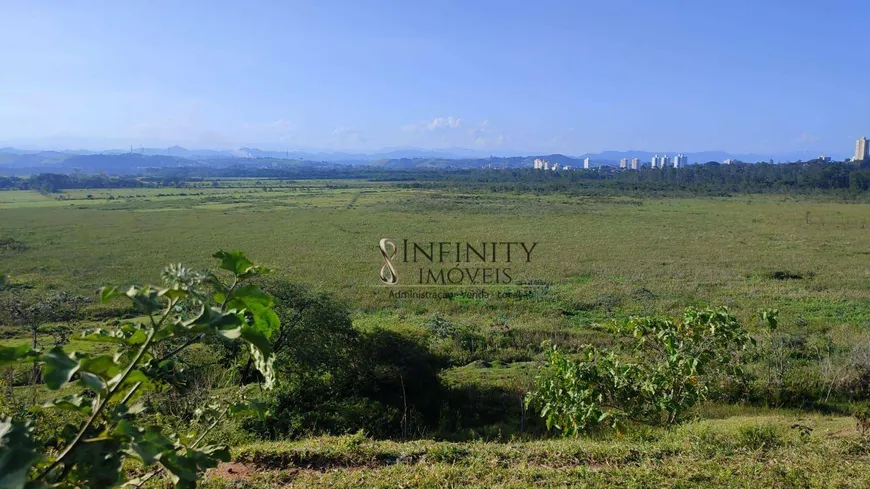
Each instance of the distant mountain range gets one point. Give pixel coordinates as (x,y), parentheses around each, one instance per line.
(207,154)
(23,162)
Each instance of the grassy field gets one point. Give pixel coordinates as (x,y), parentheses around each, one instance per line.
(597,260)
(812,260)
(740,452)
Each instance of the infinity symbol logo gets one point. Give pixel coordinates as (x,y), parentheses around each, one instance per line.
(388,271)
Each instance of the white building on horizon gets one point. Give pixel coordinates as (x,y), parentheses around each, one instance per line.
(680,161)
(862,150)
(635,163)
(542,164)
(623,163)
(655,162)
(585,163)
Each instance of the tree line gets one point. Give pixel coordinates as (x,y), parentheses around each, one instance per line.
(710,178)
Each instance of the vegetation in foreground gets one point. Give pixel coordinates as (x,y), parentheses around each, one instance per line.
(770,451)
(91,452)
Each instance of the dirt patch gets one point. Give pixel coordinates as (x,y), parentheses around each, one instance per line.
(233,471)
(844,433)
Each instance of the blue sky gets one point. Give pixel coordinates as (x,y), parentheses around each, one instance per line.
(524,76)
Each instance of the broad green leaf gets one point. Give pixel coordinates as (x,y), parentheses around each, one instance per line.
(108,293)
(251,294)
(266,320)
(237,263)
(18,453)
(145,299)
(135,375)
(226,324)
(220,288)
(59,367)
(146,444)
(16,354)
(257,339)
(209,455)
(73,402)
(249,407)
(173,293)
(259,305)
(184,468)
(181,469)
(92,382)
(97,462)
(104,366)
(234,261)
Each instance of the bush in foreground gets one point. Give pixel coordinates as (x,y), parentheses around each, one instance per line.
(666,370)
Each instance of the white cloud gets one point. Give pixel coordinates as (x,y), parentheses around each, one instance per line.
(452,131)
(482,136)
(348,135)
(436,124)
(807,138)
(445,123)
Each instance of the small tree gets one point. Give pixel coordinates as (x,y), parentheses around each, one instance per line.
(92,452)
(667,370)
(33,315)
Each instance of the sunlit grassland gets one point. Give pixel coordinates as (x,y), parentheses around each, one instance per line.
(767,450)
(614,256)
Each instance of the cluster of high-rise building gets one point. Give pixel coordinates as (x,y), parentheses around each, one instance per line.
(862,153)
(678,161)
(625,163)
(541,164)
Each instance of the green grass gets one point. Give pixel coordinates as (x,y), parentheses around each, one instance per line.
(759,451)
(610,257)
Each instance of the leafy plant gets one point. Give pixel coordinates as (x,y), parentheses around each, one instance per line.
(32,315)
(761,437)
(111,386)
(862,418)
(667,370)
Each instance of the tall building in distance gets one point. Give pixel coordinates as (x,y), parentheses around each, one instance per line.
(655,162)
(862,150)
(681,160)
(585,163)
(623,163)
(542,164)
(663,162)
(635,163)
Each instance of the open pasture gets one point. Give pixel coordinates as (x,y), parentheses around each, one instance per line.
(598,256)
